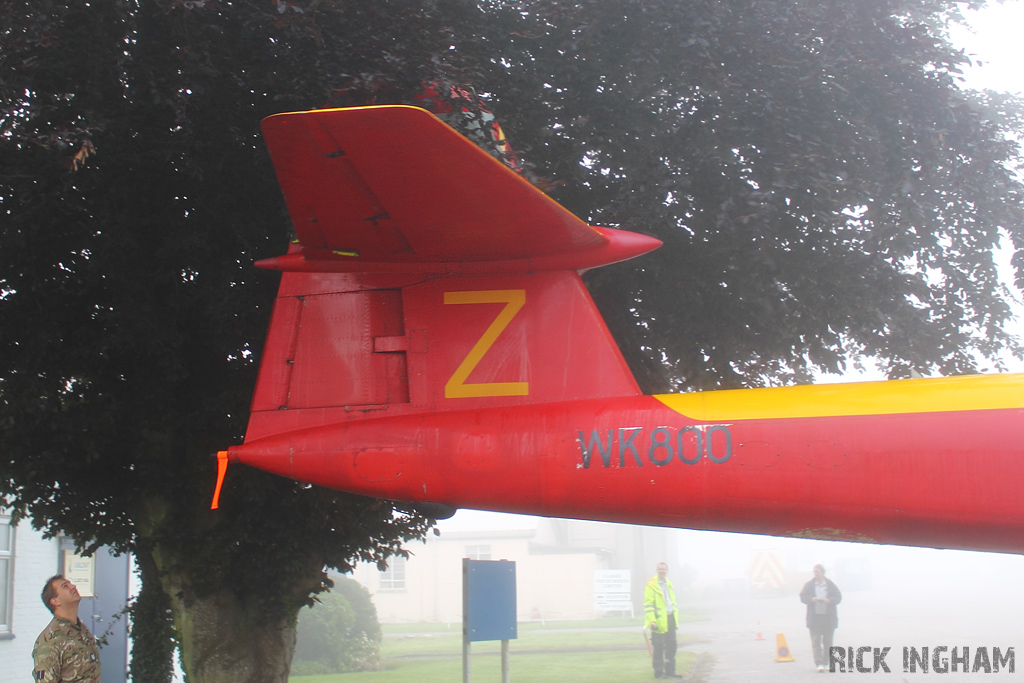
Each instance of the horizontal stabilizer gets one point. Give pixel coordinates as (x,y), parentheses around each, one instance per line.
(396,185)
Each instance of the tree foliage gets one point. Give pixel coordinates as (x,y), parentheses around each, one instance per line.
(136,194)
(821,182)
(340,633)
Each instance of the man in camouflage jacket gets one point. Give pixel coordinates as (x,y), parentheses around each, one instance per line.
(65,652)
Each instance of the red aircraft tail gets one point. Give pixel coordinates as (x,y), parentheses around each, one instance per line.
(432,343)
(427,277)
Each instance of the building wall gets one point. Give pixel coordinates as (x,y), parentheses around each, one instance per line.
(433,577)
(556,587)
(35,560)
(555,566)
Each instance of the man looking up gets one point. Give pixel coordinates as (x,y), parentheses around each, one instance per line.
(65,652)
(660,617)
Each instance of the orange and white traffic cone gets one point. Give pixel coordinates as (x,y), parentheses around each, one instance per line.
(759,635)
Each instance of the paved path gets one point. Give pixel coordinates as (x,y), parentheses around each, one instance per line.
(983,616)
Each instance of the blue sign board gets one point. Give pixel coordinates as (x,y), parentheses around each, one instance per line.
(489,600)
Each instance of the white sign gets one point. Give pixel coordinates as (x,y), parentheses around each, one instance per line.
(612,590)
(613,603)
(611,581)
(80,571)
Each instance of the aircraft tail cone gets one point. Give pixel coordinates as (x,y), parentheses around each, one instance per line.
(782,650)
(222,469)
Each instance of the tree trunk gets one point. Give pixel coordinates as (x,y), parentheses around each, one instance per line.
(152,631)
(229,638)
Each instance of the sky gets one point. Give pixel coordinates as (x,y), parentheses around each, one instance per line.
(995,43)
(997,51)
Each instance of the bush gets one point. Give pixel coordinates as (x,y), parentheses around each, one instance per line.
(338,634)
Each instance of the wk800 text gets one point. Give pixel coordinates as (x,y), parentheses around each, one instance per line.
(660,446)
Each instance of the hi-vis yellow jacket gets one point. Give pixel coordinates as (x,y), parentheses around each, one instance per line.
(654,604)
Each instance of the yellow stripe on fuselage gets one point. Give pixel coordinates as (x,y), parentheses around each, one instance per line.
(943,394)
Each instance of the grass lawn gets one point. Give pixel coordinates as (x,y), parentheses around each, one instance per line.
(598,651)
(599,667)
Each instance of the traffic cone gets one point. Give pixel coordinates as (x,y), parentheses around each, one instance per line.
(782,650)
(759,635)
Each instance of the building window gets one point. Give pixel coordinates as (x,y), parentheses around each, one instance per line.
(6,574)
(478,552)
(393,578)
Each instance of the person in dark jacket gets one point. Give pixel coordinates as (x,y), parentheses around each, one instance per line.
(821,596)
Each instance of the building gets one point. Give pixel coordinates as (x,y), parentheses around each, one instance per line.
(556,561)
(24,557)
(26,561)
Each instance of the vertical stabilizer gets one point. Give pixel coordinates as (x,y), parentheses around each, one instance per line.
(427,277)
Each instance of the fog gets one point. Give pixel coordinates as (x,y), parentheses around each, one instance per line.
(898,573)
(993,44)
(893,596)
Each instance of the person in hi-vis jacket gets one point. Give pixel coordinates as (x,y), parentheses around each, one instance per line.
(660,617)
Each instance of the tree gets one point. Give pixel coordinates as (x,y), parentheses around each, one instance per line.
(341,633)
(820,181)
(136,195)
